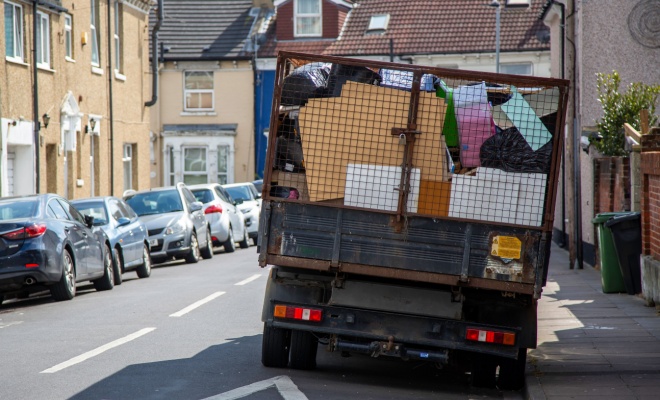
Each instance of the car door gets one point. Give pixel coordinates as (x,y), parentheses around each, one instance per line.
(93,248)
(138,230)
(124,233)
(76,235)
(198,218)
(235,217)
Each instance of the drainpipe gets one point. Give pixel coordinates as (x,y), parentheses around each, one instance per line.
(110,102)
(154,56)
(35,98)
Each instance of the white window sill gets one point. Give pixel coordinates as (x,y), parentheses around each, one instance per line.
(45,68)
(119,76)
(198,113)
(17,61)
(71,60)
(97,70)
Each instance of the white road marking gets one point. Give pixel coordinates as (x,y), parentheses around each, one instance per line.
(97,351)
(288,390)
(10,324)
(197,304)
(248,280)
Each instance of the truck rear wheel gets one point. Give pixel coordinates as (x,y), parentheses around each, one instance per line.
(512,372)
(303,350)
(484,371)
(275,347)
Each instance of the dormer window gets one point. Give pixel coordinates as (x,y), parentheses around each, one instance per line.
(378,23)
(307,16)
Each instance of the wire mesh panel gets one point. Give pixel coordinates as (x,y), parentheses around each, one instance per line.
(413,140)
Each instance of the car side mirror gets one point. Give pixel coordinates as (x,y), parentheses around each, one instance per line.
(89,221)
(258,196)
(121,221)
(196,206)
(239,201)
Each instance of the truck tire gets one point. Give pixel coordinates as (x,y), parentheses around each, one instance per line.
(512,372)
(275,347)
(484,369)
(303,350)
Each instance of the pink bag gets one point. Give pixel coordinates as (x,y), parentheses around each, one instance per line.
(475,122)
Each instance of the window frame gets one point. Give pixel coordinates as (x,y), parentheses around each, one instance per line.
(127,160)
(194,173)
(187,91)
(18,33)
(43,40)
(527,64)
(297,15)
(224,173)
(118,22)
(96,40)
(68,37)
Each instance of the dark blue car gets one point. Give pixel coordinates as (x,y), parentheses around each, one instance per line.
(45,243)
(128,235)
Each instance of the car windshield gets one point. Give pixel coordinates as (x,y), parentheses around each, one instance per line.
(162,201)
(94,209)
(18,208)
(241,193)
(203,195)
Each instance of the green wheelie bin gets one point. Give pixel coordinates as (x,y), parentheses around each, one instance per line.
(610,271)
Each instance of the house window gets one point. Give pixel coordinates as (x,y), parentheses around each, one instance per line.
(94,17)
(198,92)
(14,31)
(517,69)
(118,38)
(307,18)
(68,36)
(223,164)
(378,23)
(171,171)
(43,40)
(194,165)
(128,166)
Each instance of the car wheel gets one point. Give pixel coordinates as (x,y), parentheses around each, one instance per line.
(193,256)
(118,266)
(303,350)
(144,270)
(275,347)
(65,288)
(107,281)
(2,298)
(254,241)
(207,251)
(230,245)
(245,243)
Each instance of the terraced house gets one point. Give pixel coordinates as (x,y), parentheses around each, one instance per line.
(73,88)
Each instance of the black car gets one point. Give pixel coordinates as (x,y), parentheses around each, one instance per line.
(45,243)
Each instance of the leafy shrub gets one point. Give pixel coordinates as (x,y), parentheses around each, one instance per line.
(619,108)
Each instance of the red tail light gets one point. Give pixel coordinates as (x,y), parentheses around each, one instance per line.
(480,335)
(299,313)
(213,209)
(27,232)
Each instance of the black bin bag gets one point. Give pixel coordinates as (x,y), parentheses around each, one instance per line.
(509,151)
(340,73)
(305,82)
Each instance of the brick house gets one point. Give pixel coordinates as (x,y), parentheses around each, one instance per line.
(74,119)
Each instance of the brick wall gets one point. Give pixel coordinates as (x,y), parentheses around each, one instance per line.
(650,201)
(612,184)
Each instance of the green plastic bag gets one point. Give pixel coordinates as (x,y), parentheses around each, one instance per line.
(450,127)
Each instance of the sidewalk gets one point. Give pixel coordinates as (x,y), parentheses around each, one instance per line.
(592,345)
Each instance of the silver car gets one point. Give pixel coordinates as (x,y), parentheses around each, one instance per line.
(175,221)
(226,221)
(248,200)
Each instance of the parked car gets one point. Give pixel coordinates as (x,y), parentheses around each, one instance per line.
(129,241)
(175,222)
(248,200)
(45,243)
(259,184)
(227,222)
